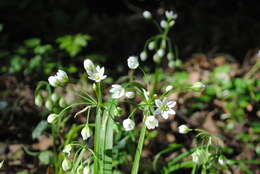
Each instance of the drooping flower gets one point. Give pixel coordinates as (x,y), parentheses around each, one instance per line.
(132,62)
(151,45)
(67,149)
(183,129)
(151,122)
(163,23)
(160,52)
(53,81)
(98,74)
(66,164)
(48,104)
(164,108)
(52,118)
(128,124)
(222,160)
(38,100)
(86,132)
(143,55)
(117,91)
(147,15)
(130,94)
(54,97)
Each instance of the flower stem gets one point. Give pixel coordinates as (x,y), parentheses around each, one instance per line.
(139,149)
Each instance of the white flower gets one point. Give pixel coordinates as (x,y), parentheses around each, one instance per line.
(151,45)
(171,15)
(147,15)
(98,74)
(86,133)
(183,129)
(53,81)
(160,52)
(128,124)
(117,91)
(151,122)
(62,76)
(132,62)
(168,88)
(87,170)
(66,165)
(67,149)
(171,23)
(164,108)
(89,66)
(143,56)
(164,23)
(130,94)
(52,118)
(59,79)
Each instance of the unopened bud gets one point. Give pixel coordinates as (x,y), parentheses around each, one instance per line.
(66,164)
(198,86)
(48,104)
(52,118)
(86,132)
(38,100)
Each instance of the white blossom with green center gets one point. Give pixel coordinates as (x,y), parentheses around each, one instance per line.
(98,74)
(164,108)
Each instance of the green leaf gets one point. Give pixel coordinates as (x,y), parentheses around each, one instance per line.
(38,130)
(31,43)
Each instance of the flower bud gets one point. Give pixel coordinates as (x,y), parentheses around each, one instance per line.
(53,81)
(66,164)
(89,66)
(183,129)
(87,170)
(156,58)
(94,86)
(198,86)
(67,149)
(54,97)
(38,100)
(168,88)
(80,169)
(143,56)
(130,94)
(62,102)
(222,160)
(86,132)
(48,104)
(62,77)
(160,52)
(52,118)
(170,56)
(152,45)
(171,64)
(164,23)
(128,124)
(151,122)
(132,62)
(147,15)
(200,156)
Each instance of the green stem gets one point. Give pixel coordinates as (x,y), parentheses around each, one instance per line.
(139,149)
(253,70)
(194,169)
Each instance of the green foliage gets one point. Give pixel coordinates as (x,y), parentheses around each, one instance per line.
(73,44)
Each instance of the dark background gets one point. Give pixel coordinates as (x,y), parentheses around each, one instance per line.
(118,29)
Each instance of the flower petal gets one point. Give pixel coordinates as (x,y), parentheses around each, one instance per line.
(158,102)
(171,104)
